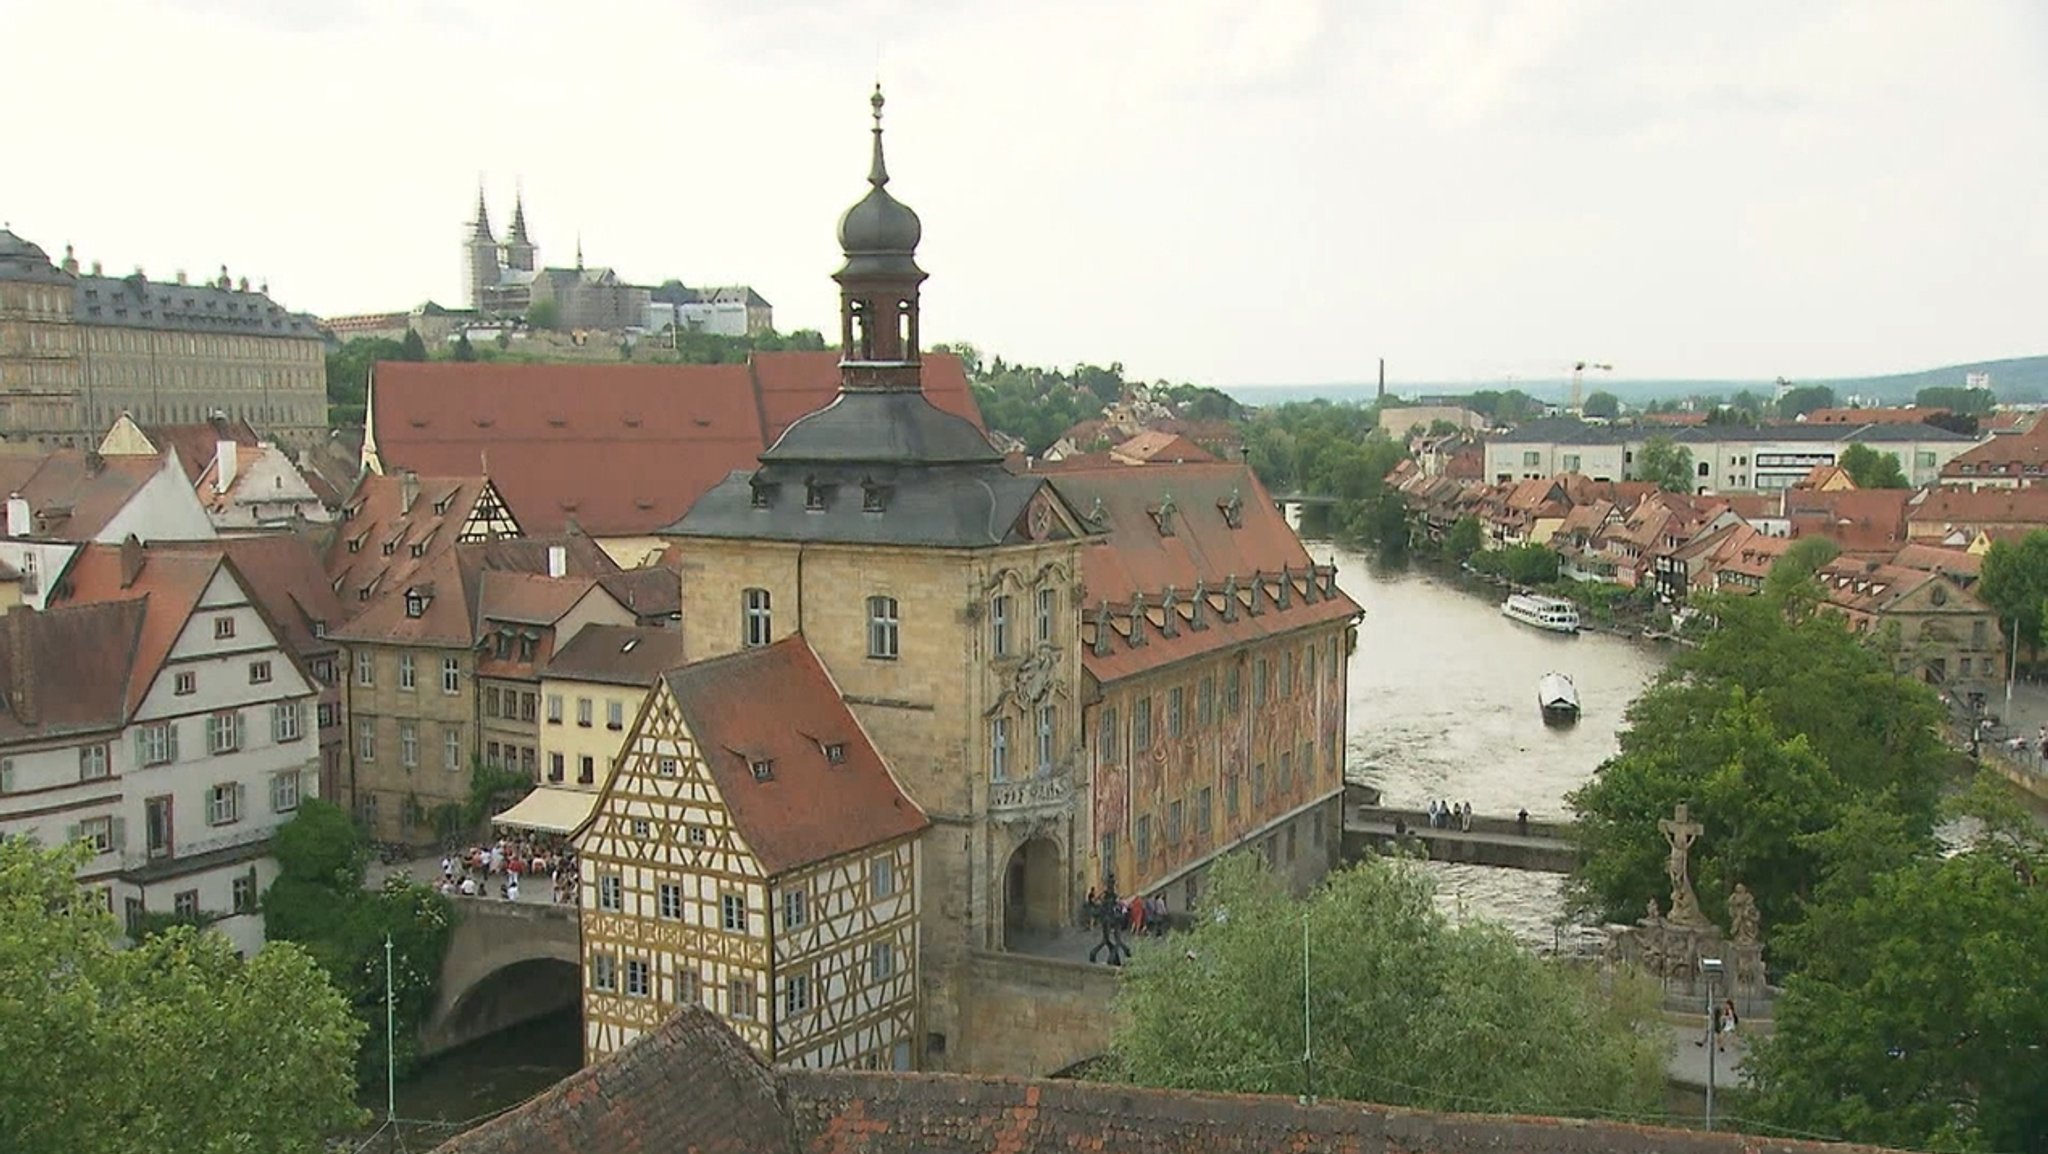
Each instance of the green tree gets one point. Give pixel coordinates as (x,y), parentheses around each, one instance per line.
(2014,581)
(1601,403)
(413,347)
(174,1044)
(1871,469)
(1796,566)
(1665,464)
(1917,1018)
(1797,402)
(544,315)
(1956,399)
(463,350)
(319,902)
(1775,729)
(1406,1008)
(348,376)
(1464,539)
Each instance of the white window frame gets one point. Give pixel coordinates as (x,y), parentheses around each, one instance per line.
(97,832)
(1048,728)
(409,744)
(999,749)
(408,673)
(669,896)
(223,628)
(796,909)
(882,877)
(796,994)
(94,761)
(639,978)
(1043,612)
(259,673)
(999,624)
(884,628)
(366,739)
(287,721)
(611,893)
(224,732)
(757,617)
(284,791)
(366,668)
(604,973)
(732,913)
(224,803)
(881,961)
(451,748)
(451,675)
(615,714)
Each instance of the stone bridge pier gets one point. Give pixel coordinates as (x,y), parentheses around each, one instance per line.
(509,962)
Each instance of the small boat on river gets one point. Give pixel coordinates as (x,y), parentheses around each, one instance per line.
(1552,613)
(1558,698)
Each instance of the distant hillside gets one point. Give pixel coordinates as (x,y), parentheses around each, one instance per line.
(2013,379)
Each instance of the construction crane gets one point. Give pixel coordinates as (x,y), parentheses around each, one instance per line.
(1579,370)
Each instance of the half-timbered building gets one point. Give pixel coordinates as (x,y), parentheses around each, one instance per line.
(752,853)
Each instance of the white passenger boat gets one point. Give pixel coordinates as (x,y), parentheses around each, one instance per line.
(1558,698)
(1552,613)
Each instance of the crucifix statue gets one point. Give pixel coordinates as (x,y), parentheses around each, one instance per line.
(1681,831)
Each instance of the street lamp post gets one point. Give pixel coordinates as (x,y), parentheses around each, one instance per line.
(1710,969)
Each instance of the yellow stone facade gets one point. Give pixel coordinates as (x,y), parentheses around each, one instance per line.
(412,732)
(576,754)
(930,712)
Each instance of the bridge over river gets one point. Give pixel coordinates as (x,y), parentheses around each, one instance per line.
(1490,841)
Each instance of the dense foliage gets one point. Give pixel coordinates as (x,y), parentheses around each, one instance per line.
(1405,1008)
(1520,564)
(1963,401)
(1918,1016)
(1338,451)
(2014,581)
(1871,469)
(174,1044)
(1779,728)
(1665,464)
(1465,538)
(1037,405)
(1601,403)
(319,902)
(1798,401)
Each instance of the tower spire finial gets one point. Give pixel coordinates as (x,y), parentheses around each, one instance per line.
(878,173)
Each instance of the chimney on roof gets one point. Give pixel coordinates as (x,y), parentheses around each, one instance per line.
(131,559)
(408,490)
(17,515)
(94,463)
(558,561)
(181,277)
(223,465)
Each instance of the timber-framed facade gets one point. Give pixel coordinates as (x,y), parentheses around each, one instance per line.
(757,860)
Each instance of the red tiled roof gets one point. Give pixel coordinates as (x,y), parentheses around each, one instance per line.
(691,1087)
(1944,505)
(67,669)
(74,492)
(375,515)
(478,581)
(777,704)
(622,450)
(1159,445)
(618,654)
(170,581)
(1859,520)
(1936,559)
(197,443)
(1886,416)
(2004,455)
(1135,559)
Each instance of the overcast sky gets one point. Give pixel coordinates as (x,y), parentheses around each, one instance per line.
(1214,190)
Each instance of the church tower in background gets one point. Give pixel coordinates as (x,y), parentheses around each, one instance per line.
(480,252)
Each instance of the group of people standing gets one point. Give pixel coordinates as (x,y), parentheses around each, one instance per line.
(1446,815)
(506,862)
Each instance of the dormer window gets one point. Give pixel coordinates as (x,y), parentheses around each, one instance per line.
(874,497)
(1162,516)
(390,547)
(319,630)
(1232,509)
(814,494)
(419,548)
(415,603)
(763,768)
(763,492)
(835,753)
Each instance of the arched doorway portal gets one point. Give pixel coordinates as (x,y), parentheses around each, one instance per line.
(1034,889)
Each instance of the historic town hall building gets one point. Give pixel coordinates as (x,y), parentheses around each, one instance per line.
(1070,675)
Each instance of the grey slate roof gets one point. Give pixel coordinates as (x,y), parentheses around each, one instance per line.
(1563,431)
(881,426)
(22,260)
(952,506)
(135,302)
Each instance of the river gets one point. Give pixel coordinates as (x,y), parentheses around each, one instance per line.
(1443,705)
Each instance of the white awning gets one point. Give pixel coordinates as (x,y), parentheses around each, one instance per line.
(549,810)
